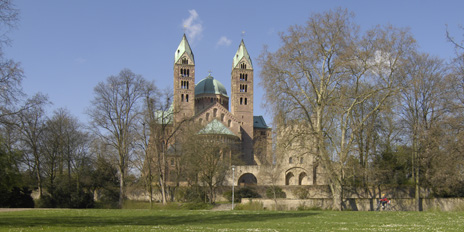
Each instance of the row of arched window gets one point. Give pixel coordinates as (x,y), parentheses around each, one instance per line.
(243,101)
(184,72)
(302,179)
(243,76)
(243,88)
(182,98)
(290,160)
(184,84)
(243,66)
(229,122)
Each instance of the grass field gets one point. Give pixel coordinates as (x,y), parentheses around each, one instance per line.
(204,220)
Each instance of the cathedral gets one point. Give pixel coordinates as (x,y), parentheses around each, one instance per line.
(231,118)
(207,103)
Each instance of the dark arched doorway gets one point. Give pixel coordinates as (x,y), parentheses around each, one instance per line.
(247,179)
(289,178)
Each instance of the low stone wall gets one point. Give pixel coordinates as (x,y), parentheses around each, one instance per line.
(407,204)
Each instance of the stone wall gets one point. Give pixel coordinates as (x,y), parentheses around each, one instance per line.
(402,204)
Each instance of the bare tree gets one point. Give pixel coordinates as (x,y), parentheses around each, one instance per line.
(164,134)
(424,106)
(145,155)
(31,125)
(323,71)
(11,74)
(65,149)
(116,107)
(209,155)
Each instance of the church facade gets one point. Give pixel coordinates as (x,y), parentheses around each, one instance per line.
(207,104)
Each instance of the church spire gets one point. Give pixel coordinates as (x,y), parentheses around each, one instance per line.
(184,48)
(241,54)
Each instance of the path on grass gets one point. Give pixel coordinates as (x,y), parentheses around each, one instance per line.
(222,207)
(13,209)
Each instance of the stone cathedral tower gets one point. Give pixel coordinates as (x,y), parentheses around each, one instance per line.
(242,98)
(184,81)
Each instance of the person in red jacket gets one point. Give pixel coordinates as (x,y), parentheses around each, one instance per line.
(384,201)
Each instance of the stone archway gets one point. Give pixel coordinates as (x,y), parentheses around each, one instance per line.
(303,179)
(247,179)
(289,178)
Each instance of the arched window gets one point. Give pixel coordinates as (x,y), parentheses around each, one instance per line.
(302,179)
(214,112)
(229,123)
(290,160)
(241,101)
(289,178)
(182,97)
(245,101)
(222,117)
(207,117)
(186,97)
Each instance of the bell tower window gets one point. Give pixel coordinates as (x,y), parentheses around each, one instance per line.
(243,76)
(184,84)
(243,88)
(184,72)
(184,61)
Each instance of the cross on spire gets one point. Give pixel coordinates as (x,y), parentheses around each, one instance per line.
(243,34)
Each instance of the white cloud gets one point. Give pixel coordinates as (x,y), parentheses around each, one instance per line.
(224,41)
(193,26)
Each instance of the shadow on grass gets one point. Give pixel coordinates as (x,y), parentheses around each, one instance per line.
(150,218)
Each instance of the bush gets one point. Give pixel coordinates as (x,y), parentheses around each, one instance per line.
(19,198)
(301,193)
(192,194)
(196,206)
(245,192)
(68,196)
(228,195)
(46,202)
(252,205)
(279,193)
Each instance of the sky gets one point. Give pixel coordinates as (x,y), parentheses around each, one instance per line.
(67,47)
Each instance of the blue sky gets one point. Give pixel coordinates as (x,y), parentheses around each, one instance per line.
(67,47)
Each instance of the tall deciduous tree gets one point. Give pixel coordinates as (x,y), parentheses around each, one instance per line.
(163,133)
(116,107)
(324,70)
(11,74)
(31,124)
(424,106)
(208,155)
(145,154)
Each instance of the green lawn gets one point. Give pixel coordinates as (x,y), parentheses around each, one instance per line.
(184,220)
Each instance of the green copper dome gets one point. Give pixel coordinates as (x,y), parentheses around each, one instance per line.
(209,85)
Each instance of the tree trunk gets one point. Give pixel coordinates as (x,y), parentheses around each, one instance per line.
(121,186)
(337,196)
